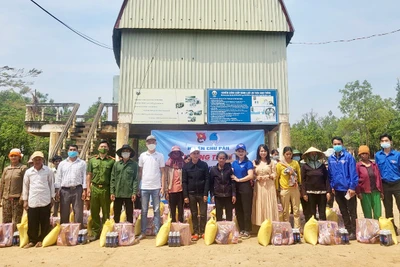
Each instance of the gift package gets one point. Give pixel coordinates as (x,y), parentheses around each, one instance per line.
(68,235)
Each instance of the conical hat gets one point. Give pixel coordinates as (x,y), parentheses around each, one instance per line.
(313,149)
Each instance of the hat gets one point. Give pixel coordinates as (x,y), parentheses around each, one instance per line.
(313,149)
(16,152)
(175,148)
(296,152)
(150,137)
(193,149)
(119,151)
(30,160)
(240,146)
(56,157)
(37,154)
(363,149)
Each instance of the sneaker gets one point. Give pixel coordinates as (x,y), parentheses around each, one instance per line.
(245,235)
(141,237)
(241,233)
(29,245)
(352,236)
(195,237)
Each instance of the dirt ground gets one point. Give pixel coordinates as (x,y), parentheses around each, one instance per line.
(246,253)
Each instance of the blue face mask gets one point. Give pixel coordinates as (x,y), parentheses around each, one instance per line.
(338,148)
(385,145)
(72,154)
(296,158)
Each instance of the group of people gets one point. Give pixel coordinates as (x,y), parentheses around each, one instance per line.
(252,188)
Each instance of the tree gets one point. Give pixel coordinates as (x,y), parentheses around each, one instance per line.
(91,112)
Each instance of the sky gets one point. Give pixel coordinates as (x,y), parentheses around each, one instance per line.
(75,70)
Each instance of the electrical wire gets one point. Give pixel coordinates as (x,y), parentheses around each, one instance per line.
(88,38)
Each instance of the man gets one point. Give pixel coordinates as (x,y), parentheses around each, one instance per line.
(124,183)
(151,174)
(98,187)
(38,194)
(388,161)
(196,184)
(71,185)
(56,161)
(344,180)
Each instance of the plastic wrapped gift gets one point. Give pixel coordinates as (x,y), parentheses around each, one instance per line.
(126,233)
(86,214)
(227,233)
(210,207)
(328,233)
(367,230)
(282,234)
(150,229)
(54,221)
(6,234)
(184,231)
(68,235)
(136,213)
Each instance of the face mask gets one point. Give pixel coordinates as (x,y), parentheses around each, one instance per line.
(338,148)
(296,158)
(125,155)
(385,145)
(72,154)
(275,157)
(151,147)
(103,150)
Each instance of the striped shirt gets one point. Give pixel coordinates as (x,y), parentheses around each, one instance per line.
(71,173)
(38,187)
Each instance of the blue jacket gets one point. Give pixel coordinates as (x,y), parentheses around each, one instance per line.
(388,165)
(342,171)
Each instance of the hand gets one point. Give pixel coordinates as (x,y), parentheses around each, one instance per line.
(382,196)
(205,198)
(328,196)
(84,195)
(352,193)
(88,192)
(138,194)
(133,198)
(167,196)
(359,196)
(333,191)
(52,202)
(112,197)
(305,197)
(26,207)
(233,199)
(186,200)
(21,201)
(161,191)
(57,196)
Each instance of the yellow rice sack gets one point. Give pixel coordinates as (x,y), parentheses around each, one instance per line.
(107,227)
(211,231)
(386,224)
(89,225)
(122,218)
(24,219)
(72,217)
(23,231)
(331,215)
(264,233)
(162,236)
(112,209)
(51,238)
(138,227)
(162,207)
(311,231)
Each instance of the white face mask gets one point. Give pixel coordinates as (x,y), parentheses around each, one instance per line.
(125,155)
(151,147)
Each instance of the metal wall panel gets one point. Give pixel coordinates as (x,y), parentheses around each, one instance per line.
(201,60)
(246,15)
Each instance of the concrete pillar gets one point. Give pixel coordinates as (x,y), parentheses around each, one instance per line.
(52,143)
(284,131)
(135,146)
(272,140)
(122,134)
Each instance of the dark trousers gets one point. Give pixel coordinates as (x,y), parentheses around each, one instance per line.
(315,200)
(220,204)
(243,205)
(38,217)
(138,202)
(193,201)
(128,209)
(72,196)
(391,190)
(348,208)
(176,201)
(56,207)
(306,208)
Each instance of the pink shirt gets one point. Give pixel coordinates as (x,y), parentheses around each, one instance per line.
(176,182)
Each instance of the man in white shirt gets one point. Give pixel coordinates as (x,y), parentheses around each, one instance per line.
(71,186)
(38,194)
(151,175)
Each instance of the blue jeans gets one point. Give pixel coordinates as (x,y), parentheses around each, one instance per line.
(155,196)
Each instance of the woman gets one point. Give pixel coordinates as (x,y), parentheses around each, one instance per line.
(315,186)
(173,176)
(287,183)
(242,175)
(369,189)
(11,188)
(265,205)
(222,188)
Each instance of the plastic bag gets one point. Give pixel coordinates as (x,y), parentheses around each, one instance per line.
(386,224)
(122,218)
(107,227)
(68,235)
(86,214)
(51,238)
(367,230)
(282,233)
(227,233)
(150,228)
(112,209)
(187,218)
(331,215)
(89,225)
(211,231)
(184,231)
(138,227)
(162,207)
(6,234)
(327,233)
(264,233)
(126,233)
(72,217)
(311,231)
(23,231)
(162,235)
(210,208)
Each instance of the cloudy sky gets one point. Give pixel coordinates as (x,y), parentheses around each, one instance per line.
(75,70)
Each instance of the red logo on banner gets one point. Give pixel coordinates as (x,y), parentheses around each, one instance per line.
(201,137)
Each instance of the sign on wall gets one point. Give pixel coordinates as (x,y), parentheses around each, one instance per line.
(242,106)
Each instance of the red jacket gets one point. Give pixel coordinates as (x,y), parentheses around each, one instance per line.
(364,185)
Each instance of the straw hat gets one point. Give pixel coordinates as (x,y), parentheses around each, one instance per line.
(313,149)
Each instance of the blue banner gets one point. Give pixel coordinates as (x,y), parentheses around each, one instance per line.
(209,142)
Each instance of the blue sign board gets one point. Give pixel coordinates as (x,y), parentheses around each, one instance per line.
(242,106)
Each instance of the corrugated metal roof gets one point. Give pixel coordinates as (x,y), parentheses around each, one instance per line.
(201,60)
(236,15)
